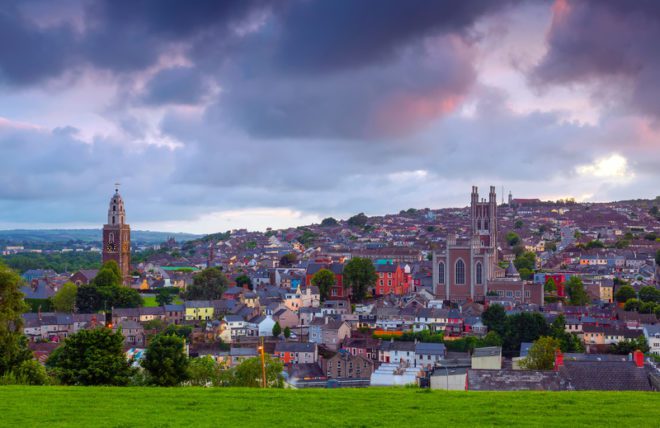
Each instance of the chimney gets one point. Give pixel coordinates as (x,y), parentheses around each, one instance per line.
(638,358)
(559,360)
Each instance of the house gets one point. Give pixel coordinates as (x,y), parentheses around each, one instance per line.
(365,347)
(262,325)
(133,333)
(344,365)
(199,310)
(395,352)
(328,332)
(337,291)
(392,279)
(175,314)
(652,334)
(286,318)
(237,325)
(336,307)
(606,375)
(428,354)
(84,276)
(296,352)
(236,356)
(448,378)
(487,358)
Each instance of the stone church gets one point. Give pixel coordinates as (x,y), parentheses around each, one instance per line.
(117,236)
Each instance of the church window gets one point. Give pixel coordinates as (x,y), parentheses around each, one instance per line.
(460,272)
(441,273)
(480,273)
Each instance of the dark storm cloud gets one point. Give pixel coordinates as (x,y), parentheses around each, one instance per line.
(178,85)
(606,41)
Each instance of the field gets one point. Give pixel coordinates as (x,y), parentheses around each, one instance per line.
(150,301)
(162,407)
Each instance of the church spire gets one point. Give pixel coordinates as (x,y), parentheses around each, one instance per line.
(116,212)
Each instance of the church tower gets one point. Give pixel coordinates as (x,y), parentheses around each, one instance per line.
(117,236)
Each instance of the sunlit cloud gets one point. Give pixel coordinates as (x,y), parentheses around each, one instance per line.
(613,166)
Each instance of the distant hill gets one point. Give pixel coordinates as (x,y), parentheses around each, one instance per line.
(49,236)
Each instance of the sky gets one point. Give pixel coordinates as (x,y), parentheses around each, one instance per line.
(273,113)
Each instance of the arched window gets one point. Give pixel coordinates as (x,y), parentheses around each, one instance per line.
(441,272)
(459,275)
(480,273)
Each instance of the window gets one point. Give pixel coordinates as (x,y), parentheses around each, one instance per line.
(509,293)
(527,293)
(479,273)
(389,282)
(441,273)
(389,274)
(459,275)
(381,282)
(518,293)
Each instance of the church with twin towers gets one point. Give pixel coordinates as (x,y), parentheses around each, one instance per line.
(468,269)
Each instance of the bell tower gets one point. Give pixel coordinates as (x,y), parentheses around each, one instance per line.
(117,236)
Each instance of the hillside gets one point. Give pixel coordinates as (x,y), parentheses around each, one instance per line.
(48,236)
(97,406)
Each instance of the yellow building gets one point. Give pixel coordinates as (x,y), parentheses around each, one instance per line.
(198,310)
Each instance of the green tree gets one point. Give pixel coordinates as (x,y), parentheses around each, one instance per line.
(541,355)
(242,280)
(525,273)
(527,260)
(648,308)
(495,319)
(628,346)
(359,220)
(91,357)
(208,284)
(329,222)
(277,330)
(625,293)
(65,299)
(164,297)
(657,258)
(108,276)
(204,371)
(359,274)
(287,332)
(13,345)
(288,260)
(550,286)
(632,305)
(249,373)
(324,279)
(649,294)
(31,372)
(550,246)
(518,224)
(575,290)
(523,327)
(124,297)
(512,238)
(166,361)
(569,342)
(89,299)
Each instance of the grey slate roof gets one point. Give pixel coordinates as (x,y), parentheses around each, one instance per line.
(515,380)
(295,347)
(606,376)
(422,348)
(490,351)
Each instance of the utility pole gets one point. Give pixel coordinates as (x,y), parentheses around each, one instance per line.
(263,363)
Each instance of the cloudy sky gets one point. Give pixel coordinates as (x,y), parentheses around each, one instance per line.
(218,115)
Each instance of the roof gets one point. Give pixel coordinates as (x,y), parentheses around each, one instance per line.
(514,380)
(490,351)
(430,348)
(606,376)
(295,347)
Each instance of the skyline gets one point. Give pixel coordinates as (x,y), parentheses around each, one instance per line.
(255,114)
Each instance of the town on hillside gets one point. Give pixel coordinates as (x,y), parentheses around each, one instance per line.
(502,294)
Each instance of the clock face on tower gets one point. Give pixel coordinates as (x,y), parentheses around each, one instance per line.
(111,247)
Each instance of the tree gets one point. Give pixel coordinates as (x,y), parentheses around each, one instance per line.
(249,374)
(124,297)
(495,319)
(277,330)
(329,222)
(204,371)
(324,280)
(288,260)
(550,246)
(568,342)
(91,357)
(287,332)
(550,286)
(166,361)
(625,293)
(518,224)
(209,284)
(89,299)
(512,238)
(108,276)
(243,280)
(359,274)
(649,294)
(359,220)
(523,327)
(648,308)
(526,260)
(525,273)
(657,258)
(628,346)
(575,290)
(164,297)
(65,299)
(541,355)
(632,305)
(13,345)
(31,372)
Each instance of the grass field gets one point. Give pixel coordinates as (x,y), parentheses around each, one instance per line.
(150,301)
(22,406)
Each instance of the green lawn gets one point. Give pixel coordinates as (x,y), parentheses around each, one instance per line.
(150,301)
(216,407)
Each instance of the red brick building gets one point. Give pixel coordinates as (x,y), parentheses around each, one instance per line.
(117,237)
(337,291)
(392,279)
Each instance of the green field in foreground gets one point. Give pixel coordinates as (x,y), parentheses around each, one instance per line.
(128,407)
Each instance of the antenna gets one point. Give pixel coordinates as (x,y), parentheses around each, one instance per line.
(117,187)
